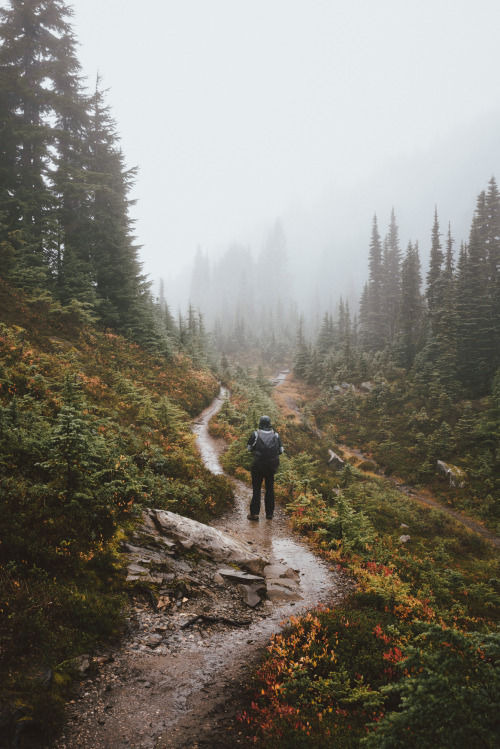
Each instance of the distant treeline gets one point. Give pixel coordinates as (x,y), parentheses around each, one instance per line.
(448,335)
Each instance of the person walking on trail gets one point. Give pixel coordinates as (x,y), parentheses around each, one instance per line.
(266,446)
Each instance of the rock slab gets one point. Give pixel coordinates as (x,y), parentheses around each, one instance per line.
(215,543)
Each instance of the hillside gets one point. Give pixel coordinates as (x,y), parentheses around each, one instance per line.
(92,429)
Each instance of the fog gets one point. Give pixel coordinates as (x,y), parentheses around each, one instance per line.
(319,112)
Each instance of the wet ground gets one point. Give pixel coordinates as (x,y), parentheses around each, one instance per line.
(189,697)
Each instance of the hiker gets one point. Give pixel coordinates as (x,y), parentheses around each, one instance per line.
(267,448)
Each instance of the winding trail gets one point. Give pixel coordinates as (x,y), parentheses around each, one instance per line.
(189,698)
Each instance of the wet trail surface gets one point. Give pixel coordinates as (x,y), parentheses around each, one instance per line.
(190,696)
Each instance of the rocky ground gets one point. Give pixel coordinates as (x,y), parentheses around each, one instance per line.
(198,623)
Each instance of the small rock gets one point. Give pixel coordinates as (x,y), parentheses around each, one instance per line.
(137,569)
(276,591)
(404,539)
(235,576)
(249,595)
(82,663)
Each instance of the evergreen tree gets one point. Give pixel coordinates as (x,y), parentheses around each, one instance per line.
(42,118)
(475,306)
(391,280)
(121,289)
(272,269)
(375,336)
(301,359)
(411,308)
(326,337)
(493,259)
(199,293)
(347,340)
(446,323)
(434,288)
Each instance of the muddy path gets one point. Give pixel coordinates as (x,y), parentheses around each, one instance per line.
(188,693)
(287,399)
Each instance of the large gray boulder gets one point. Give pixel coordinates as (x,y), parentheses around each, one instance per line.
(218,545)
(456,476)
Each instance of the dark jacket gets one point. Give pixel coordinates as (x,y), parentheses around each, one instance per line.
(265,445)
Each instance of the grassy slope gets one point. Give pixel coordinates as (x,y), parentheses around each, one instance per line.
(92,428)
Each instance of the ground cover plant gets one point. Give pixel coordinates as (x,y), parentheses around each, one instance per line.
(423,617)
(92,429)
(406,431)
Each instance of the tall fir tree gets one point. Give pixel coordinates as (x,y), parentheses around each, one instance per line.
(493,259)
(474,306)
(391,280)
(434,278)
(375,337)
(301,359)
(42,117)
(121,288)
(411,308)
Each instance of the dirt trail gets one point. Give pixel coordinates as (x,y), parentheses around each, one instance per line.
(287,398)
(190,696)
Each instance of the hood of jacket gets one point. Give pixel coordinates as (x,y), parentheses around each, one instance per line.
(265,422)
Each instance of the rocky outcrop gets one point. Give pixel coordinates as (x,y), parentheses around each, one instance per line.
(456,476)
(159,568)
(366,387)
(334,460)
(215,543)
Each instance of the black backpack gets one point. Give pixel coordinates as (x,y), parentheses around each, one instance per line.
(267,449)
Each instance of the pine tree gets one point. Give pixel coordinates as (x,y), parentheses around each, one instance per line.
(364,330)
(391,280)
(446,323)
(326,337)
(199,293)
(121,289)
(493,259)
(475,306)
(347,341)
(42,115)
(302,355)
(375,337)
(434,287)
(272,268)
(411,308)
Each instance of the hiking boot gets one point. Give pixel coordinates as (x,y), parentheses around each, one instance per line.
(269,517)
(252,517)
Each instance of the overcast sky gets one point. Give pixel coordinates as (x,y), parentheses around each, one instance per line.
(235,111)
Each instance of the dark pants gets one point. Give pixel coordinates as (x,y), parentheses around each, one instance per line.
(258,476)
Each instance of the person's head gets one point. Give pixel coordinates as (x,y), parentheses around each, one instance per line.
(265,422)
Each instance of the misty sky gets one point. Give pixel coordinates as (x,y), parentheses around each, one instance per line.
(239,111)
